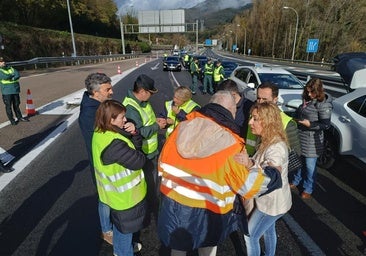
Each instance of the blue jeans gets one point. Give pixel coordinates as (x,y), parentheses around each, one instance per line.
(104,217)
(261,224)
(122,243)
(309,172)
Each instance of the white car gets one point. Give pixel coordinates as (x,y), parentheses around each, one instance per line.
(347,135)
(248,78)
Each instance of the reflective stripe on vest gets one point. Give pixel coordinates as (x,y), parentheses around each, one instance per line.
(217,74)
(186,107)
(148,118)
(118,187)
(209,192)
(8,72)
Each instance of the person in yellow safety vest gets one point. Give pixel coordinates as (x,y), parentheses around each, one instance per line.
(186,60)
(195,73)
(268,92)
(175,110)
(10,90)
(218,74)
(140,111)
(118,163)
(207,77)
(200,179)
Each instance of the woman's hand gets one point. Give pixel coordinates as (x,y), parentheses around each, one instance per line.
(129,127)
(243,158)
(304,122)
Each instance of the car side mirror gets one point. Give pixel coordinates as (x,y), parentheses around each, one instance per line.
(251,85)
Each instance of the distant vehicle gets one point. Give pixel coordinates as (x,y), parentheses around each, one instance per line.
(176,53)
(172,63)
(290,88)
(347,135)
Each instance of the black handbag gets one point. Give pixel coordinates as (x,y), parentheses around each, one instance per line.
(294,161)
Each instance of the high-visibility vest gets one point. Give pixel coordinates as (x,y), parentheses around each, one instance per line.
(149,145)
(8,72)
(118,187)
(186,107)
(203,183)
(186,58)
(194,68)
(217,74)
(208,69)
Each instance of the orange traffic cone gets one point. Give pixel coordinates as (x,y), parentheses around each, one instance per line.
(119,70)
(29,107)
(137,63)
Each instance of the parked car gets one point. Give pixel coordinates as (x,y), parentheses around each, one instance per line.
(229,67)
(290,88)
(347,135)
(172,63)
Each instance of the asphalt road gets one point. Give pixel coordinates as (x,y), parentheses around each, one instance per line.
(50,207)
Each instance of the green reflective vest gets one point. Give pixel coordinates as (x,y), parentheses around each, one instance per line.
(209,69)
(118,187)
(218,74)
(149,145)
(186,107)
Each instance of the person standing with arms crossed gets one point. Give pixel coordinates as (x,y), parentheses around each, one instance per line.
(207,78)
(194,72)
(10,89)
(218,74)
(98,89)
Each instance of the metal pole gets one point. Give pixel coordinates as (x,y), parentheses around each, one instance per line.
(245,40)
(197,36)
(122,35)
(297,25)
(71,30)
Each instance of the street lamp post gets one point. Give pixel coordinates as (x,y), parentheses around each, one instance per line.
(236,37)
(245,40)
(297,25)
(71,30)
(122,34)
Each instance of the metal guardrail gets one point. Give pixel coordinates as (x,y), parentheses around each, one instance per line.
(46,62)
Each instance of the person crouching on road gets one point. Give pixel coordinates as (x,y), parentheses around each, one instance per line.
(200,180)
(118,162)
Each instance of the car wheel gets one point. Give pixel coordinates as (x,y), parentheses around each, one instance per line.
(330,154)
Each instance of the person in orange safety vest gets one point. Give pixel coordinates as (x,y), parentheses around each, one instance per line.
(201,178)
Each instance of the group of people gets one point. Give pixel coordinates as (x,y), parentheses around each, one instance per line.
(10,90)
(204,185)
(213,75)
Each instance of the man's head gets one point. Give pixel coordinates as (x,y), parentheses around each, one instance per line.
(232,87)
(143,87)
(225,99)
(267,92)
(99,86)
(218,63)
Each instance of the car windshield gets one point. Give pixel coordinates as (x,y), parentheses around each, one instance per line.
(172,59)
(283,81)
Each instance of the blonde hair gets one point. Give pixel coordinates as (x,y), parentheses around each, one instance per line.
(183,93)
(271,121)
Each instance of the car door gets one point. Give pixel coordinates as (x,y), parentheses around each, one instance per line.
(253,82)
(351,122)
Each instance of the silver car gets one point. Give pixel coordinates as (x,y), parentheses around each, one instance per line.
(248,78)
(347,135)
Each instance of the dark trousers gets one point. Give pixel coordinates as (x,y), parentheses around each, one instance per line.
(152,180)
(12,102)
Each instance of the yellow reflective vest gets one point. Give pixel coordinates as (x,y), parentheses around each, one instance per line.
(118,187)
(149,145)
(186,107)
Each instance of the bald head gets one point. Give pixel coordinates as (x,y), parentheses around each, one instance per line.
(225,99)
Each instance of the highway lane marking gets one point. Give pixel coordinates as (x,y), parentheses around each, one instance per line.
(57,107)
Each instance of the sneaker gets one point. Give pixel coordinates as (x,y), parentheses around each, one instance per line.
(108,237)
(23,119)
(5,169)
(137,247)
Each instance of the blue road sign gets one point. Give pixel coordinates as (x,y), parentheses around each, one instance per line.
(313,45)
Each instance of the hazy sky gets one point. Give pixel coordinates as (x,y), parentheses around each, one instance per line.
(172,4)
